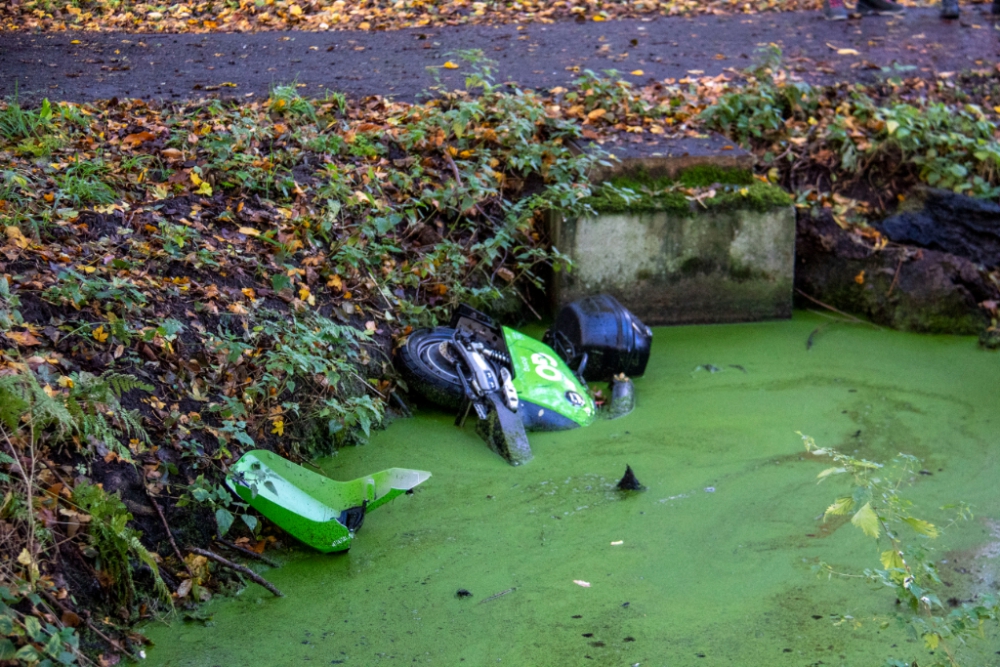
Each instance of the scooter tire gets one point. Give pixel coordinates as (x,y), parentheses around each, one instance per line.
(427,369)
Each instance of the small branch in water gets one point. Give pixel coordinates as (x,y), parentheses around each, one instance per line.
(498,595)
(242,569)
(831,308)
(249,553)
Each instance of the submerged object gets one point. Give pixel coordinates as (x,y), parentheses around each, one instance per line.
(314,509)
(622,397)
(601,338)
(629,482)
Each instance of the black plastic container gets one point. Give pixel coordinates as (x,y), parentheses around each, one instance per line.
(600,338)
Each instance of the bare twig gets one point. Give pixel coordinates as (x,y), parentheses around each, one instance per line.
(454,168)
(521,297)
(113,643)
(851,318)
(895,277)
(242,569)
(170,536)
(249,553)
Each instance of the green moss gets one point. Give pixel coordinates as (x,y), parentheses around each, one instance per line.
(736,189)
(758,196)
(703,176)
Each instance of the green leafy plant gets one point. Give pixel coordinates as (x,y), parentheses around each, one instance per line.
(218,498)
(26,639)
(115,542)
(878,508)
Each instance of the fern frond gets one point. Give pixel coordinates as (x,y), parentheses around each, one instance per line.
(143,555)
(121,383)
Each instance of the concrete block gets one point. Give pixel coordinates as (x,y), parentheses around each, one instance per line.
(705,266)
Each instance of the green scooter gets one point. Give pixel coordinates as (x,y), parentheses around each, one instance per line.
(514,383)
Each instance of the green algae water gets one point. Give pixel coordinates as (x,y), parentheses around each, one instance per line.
(711,565)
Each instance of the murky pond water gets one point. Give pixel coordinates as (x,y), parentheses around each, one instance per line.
(714,562)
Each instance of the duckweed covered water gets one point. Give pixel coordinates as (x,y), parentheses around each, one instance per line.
(714,561)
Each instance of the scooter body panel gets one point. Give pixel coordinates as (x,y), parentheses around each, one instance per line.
(544,383)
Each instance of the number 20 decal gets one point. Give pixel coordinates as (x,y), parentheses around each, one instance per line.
(545,366)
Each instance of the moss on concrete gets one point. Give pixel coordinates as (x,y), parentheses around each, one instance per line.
(736,189)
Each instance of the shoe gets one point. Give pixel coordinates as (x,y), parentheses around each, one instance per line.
(834,10)
(881,7)
(949,9)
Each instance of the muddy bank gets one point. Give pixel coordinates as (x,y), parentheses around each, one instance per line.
(900,285)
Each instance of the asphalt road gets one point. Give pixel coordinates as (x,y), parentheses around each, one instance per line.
(89,66)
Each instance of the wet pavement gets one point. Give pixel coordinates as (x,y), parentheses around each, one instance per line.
(89,66)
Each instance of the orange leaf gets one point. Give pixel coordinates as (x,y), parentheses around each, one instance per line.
(138,138)
(860,278)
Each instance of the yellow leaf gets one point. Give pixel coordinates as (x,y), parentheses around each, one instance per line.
(99,334)
(922,527)
(295,10)
(931,640)
(249,231)
(195,179)
(278,426)
(891,126)
(596,113)
(304,293)
(599,18)
(891,560)
(15,236)
(637,72)
(867,520)
(22,338)
(204,189)
(847,52)
(860,278)
(24,558)
(65,382)
(450,65)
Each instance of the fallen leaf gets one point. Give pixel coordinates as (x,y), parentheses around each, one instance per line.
(637,72)
(843,52)
(860,278)
(580,582)
(99,334)
(22,338)
(15,236)
(138,138)
(450,65)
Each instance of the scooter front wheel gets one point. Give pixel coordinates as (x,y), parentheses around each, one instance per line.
(428,366)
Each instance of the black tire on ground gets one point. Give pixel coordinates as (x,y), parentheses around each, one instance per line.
(428,369)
